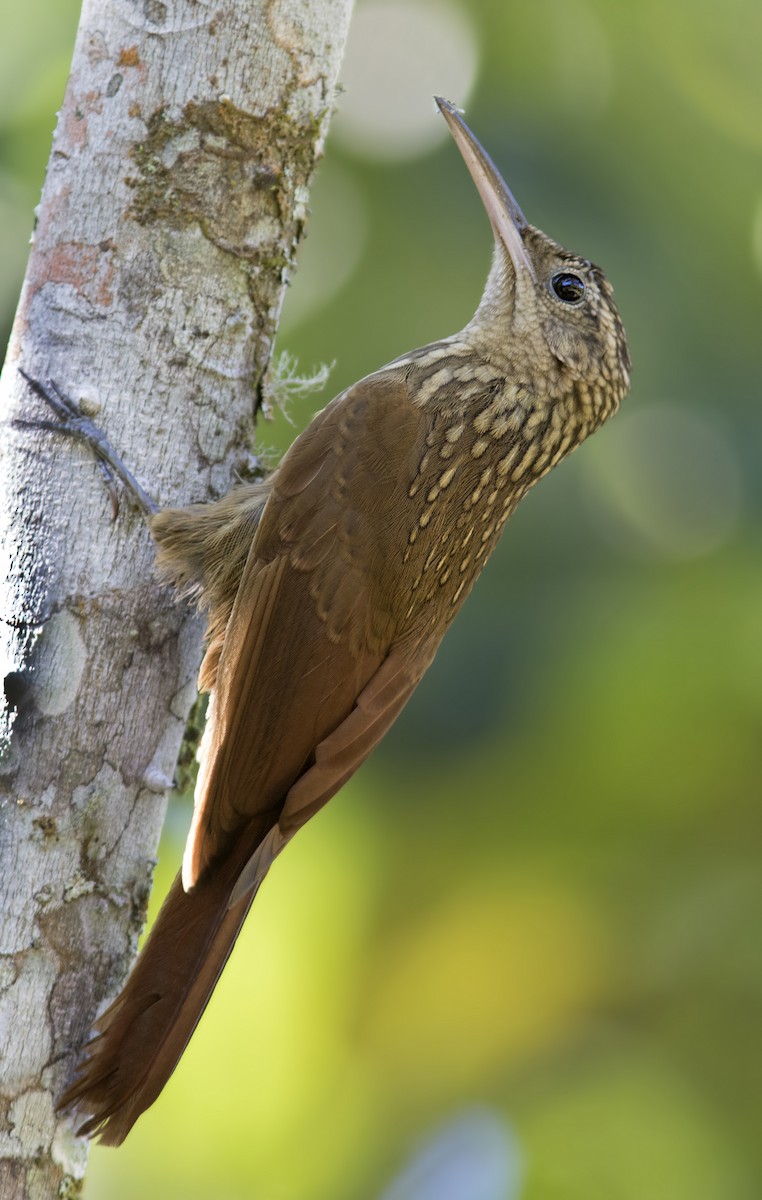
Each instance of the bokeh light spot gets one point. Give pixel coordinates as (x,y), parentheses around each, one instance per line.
(476,1155)
(327,260)
(399,55)
(665,480)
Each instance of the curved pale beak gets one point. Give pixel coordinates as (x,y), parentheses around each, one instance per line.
(506,218)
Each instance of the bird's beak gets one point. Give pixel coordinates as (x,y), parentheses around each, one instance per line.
(506,218)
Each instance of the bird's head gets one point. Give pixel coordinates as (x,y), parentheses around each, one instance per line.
(550,314)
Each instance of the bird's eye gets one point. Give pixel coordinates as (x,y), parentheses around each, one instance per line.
(568,288)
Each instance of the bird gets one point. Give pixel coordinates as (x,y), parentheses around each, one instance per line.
(328,587)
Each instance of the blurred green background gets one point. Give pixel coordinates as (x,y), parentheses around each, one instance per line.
(519,957)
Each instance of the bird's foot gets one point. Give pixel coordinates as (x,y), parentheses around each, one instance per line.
(73,422)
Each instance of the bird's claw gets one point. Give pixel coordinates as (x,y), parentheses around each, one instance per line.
(73,422)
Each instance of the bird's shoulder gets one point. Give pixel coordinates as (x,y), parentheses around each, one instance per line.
(336,509)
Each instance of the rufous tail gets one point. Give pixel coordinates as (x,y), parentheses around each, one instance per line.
(141,1037)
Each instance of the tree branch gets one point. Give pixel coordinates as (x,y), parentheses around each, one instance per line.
(174,200)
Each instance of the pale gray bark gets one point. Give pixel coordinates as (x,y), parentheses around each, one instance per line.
(174,198)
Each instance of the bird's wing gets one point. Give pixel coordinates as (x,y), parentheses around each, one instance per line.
(308,677)
(338,756)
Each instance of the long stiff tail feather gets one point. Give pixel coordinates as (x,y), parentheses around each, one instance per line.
(141,1037)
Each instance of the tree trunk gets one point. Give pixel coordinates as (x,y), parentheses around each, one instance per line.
(174,199)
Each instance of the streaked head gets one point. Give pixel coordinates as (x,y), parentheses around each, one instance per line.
(549,312)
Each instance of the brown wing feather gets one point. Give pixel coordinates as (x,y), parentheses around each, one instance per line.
(314,619)
(338,756)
